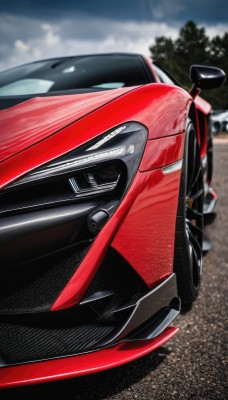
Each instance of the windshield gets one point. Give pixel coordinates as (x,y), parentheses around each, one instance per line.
(96,72)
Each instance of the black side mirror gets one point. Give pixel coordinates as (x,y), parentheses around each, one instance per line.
(205,77)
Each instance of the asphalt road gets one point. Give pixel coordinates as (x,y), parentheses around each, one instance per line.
(193,364)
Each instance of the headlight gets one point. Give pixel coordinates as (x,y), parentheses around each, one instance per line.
(103,165)
(85,187)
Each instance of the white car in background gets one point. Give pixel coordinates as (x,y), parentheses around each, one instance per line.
(219,122)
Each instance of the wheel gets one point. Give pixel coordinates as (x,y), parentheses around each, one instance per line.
(217,127)
(189,224)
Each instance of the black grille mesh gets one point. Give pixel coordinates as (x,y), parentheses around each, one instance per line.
(27,343)
(37,336)
(37,289)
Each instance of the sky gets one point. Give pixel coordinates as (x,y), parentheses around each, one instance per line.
(36,29)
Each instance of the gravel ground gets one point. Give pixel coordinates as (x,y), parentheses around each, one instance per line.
(193,364)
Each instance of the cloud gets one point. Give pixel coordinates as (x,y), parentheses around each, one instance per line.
(21,46)
(162,10)
(215,30)
(203,11)
(51,34)
(27,39)
(79,35)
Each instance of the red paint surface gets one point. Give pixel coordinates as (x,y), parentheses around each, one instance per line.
(145,239)
(203,150)
(27,123)
(80,281)
(162,152)
(161,108)
(46,371)
(146,236)
(142,229)
(150,65)
(202,105)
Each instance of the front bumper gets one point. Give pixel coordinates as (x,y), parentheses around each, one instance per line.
(46,341)
(76,366)
(143,326)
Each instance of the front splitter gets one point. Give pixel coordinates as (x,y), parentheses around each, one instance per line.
(75,366)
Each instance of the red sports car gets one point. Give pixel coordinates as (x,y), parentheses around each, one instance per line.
(105,176)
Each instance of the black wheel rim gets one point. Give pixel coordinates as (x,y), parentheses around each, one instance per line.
(194,208)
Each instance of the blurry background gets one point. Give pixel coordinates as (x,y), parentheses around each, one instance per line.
(176,33)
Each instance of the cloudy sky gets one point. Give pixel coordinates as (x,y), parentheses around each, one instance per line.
(35,29)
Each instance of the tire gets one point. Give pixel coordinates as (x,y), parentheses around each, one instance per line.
(217,127)
(189,223)
(209,156)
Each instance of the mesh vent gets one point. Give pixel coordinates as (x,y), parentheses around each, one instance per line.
(20,344)
(117,275)
(36,286)
(37,336)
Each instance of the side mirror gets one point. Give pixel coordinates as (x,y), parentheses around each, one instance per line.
(204,77)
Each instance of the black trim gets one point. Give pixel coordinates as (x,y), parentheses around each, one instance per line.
(170,76)
(155,327)
(74,331)
(26,236)
(32,287)
(157,300)
(9,101)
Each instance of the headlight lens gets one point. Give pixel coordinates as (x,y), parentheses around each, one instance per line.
(96,167)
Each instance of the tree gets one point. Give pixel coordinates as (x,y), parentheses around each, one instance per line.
(192,44)
(193,47)
(218,56)
(163,51)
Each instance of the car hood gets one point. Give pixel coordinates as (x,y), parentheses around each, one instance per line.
(27,123)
